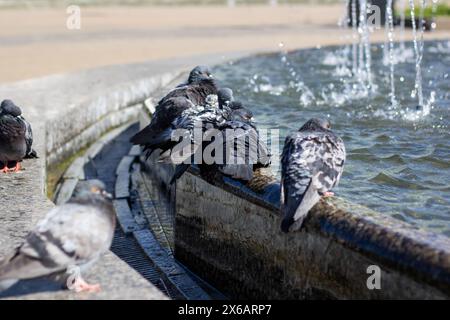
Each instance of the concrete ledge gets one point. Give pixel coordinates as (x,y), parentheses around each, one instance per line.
(234,241)
(68,113)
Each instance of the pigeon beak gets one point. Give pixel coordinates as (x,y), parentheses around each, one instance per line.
(107,195)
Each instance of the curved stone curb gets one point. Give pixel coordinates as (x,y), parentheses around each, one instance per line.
(75,171)
(174,275)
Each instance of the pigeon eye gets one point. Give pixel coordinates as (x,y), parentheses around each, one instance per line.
(95,190)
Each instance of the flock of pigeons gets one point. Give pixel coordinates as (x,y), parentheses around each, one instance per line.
(312,164)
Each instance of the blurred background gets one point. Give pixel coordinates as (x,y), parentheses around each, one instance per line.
(35,40)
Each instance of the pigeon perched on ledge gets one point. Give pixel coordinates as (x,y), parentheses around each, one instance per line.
(225,96)
(200,85)
(16,137)
(197,74)
(312,164)
(70,238)
(243,148)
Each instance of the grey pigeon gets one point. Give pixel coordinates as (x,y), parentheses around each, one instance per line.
(70,238)
(16,137)
(226,100)
(197,74)
(245,150)
(194,93)
(312,164)
(225,96)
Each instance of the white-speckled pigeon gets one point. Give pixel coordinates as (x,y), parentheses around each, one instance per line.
(312,164)
(200,84)
(70,238)
(243,150)
(16,137)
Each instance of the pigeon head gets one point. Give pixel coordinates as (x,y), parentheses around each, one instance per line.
(8,107)
(241,114)
(199,73)
(225,96)
(316,124)
(90,190)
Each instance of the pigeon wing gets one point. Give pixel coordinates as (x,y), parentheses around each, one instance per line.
(329,165)
(165,114)
(11,129)
(31,153)
(298,178)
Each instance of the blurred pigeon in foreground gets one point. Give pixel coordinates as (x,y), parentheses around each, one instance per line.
(16,137)
(70,238)
(312,164)
(194,93)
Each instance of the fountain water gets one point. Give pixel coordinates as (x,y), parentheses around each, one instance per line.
(390,34)
(402,24)
(418,51)
(306,95)
(398,154)
(355,38)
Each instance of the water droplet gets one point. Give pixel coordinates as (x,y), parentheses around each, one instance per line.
(281,44)
(402,79)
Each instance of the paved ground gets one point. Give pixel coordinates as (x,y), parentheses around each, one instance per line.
(123,273)
(36,42)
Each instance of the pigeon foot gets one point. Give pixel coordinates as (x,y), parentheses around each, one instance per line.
(328,194)
(4,170)
(80,285)
(16,168)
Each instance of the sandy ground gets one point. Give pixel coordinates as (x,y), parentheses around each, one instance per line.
(37,42)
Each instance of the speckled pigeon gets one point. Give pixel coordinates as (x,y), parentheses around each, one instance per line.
(16,137)
(246,151)
(70,238)
(200,84)
(312,164)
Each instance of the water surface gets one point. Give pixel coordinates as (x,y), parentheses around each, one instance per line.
(398,156)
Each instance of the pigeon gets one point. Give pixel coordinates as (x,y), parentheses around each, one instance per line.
(226,100)
(312,164)
(197,74)
(242,152)
(199,86)
(225,96)
(16,137)
(246,150)
(68,240)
